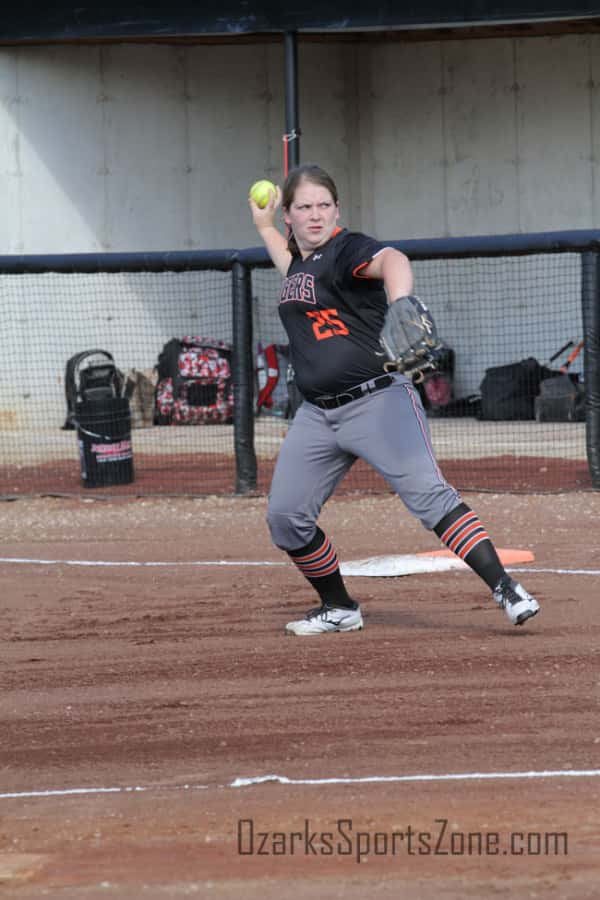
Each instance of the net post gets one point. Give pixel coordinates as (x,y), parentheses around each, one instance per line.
(243,380)
(292,136)
(590,296)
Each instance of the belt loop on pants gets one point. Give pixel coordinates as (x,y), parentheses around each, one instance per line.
(369,387)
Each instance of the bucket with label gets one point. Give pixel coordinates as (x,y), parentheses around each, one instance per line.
(104,436)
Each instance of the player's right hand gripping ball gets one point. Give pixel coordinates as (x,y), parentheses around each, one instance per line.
(261,192)
(410,338)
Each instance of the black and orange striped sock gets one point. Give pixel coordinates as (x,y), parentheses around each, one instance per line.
(318,563)
(462,532)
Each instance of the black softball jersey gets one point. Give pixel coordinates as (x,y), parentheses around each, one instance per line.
(333,315)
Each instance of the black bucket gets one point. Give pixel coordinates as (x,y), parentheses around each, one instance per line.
(104,435)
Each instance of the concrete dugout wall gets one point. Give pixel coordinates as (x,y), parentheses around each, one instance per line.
(141,147)
(150,147)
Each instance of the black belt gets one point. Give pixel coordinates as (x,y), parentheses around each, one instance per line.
(354,393)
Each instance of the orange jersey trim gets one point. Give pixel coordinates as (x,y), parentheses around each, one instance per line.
(357,271)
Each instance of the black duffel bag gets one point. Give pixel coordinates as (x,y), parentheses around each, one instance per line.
(509,392)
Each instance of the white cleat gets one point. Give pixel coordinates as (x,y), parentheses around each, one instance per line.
(515,601)
(325,618)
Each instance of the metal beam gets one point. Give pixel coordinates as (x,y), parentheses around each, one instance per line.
(292,127)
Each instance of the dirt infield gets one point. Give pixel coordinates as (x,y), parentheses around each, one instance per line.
(188,474)
(139,694)
(474,456)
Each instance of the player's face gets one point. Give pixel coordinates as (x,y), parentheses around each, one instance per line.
(312,216)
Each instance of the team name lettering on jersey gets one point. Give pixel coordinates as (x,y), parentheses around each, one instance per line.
(300,286)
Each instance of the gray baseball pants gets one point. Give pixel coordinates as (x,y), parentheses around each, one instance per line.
(388,429)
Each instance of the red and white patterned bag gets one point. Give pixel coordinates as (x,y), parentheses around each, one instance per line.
(195,382)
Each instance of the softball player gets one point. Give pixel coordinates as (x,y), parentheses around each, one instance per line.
(333,300)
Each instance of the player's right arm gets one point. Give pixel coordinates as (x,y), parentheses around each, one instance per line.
(274,241)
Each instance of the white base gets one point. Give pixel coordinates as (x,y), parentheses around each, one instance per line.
(409,564)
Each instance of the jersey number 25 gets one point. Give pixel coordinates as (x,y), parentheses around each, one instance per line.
(325,324)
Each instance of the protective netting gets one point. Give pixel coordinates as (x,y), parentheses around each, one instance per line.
(47,318)
(502,319)
(492,312)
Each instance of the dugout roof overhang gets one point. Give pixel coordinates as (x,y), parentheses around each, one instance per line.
(234,20)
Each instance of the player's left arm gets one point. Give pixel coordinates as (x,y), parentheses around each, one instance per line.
(395,270)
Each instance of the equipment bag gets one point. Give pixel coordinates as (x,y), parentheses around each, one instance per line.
(195,384)
(295,396)
(436,387)
(561,399)
(509,392)
(90,375)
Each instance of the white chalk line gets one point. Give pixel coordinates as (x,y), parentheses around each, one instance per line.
(386,779)
(12,560)
(89,562)
(284,780)
(556,571)
(69,792)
